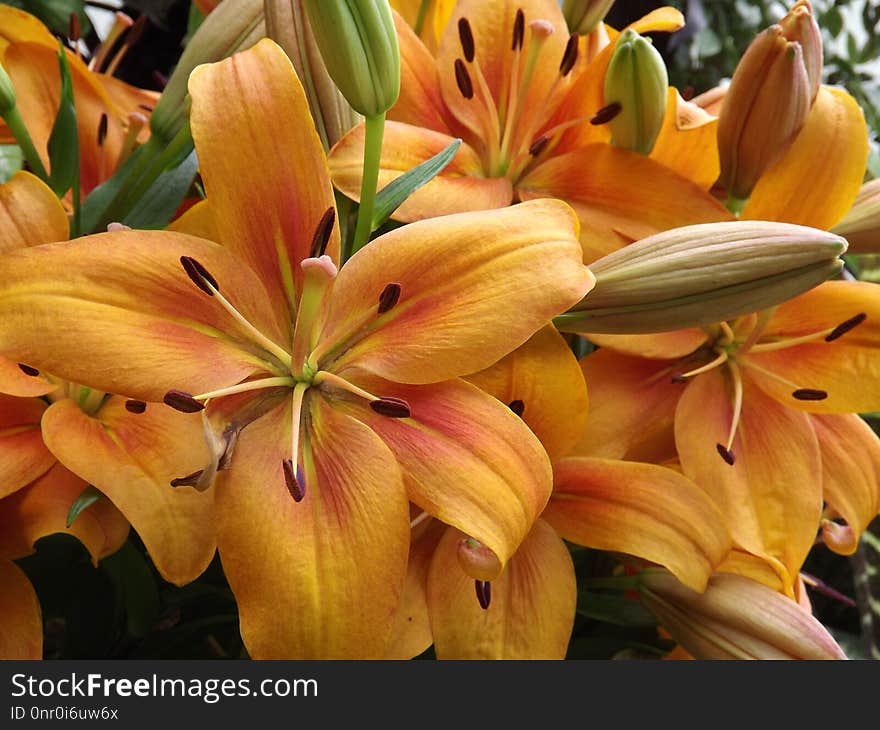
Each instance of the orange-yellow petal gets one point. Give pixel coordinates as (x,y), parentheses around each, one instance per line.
(132,459)
(30,213)
(15,381)
(640,509)
(23,455)
(198,220)
(17,25)
(21,625)
(832,147)
(531,607)
(661,346)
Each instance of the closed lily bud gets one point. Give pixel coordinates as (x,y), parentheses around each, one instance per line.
(735,618)
(583,16)
(288,25)
(861,225)
(358,42)
(7,93)
(703,274)
(234,25)
(769,98)
(637,80)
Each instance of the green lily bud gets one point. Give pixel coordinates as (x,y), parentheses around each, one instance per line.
(583,16)
(703,274)
(287,24)
(234,25)
(735,618)
(861,225)
(7,93)
(637,80)
(358,42)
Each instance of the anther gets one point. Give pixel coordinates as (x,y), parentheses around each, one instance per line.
(517,406)
(726,454)
(678,378)
(537,147)
(606,113)
(294,486)
(102,129)
(845,327)
(687,93)
(809,394)
(74,30)
(28,370)
(463,79)
(484,593)
(519,30)
(183,402)
(190,480)
(135,406)
(569,57)
(466,36)
(391,407)
(323,231)
(199,275)
(389,297)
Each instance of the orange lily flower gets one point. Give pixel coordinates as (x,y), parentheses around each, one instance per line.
(335,394)
(529,610)
(428,20)
(509,81)
(111,115)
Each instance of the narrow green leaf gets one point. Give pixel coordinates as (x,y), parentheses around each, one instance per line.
(156,207)
(64,141)
(96,203)
(136,588)
(614,609)
(86,499)
(56,14)
(389,198)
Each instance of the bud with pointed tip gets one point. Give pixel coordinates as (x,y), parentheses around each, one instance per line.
(861,225)
(358,43)
(703,274)
(735,618)
(637,80)
(584,16)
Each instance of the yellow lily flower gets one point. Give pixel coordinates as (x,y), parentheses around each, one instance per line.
(510,82)
(334,394)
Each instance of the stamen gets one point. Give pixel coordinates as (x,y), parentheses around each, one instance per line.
(121,23)
(537,147)
(297,490)
(199,275)
(687,93)
(419,520)
(183,402)
(725,451)
(389,297)
(135,406)
(136,122)
(809,394)
(726,454)
(463,79)
(190,480)
(729,335)
(28,370)
(720,360)
(845,327)
(466,36)
(517,406)
(606,113)
(569,57)
(322,233)
(74,31)
(484,593)
(131,37)
(281,381)
(296,484)
(519,30)
(391,407)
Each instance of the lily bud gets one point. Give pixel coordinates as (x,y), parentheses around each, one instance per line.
(287,24)
(358,42)
(703,274)
(584,16)
(7,93)
(735,618)
(769,97)
(234,25)
(861,225)
(637,80)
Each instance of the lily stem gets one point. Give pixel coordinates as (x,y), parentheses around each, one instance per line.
(19,131)
(375,130)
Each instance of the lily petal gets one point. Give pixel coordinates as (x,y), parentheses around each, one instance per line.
(491,482)
(17,25)
(334,564)
(21,625)
(199,221)
(14,381)
(30,213)
(686,143)
(514,268)
(831,146)
(532,607)
(662,345)
(132,459)
(263,167)
(644,510)
(23,455)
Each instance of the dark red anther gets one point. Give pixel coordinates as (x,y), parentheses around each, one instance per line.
(323,231)
(484,593)
(295,485)
(517,406)
(391,407)
(74,31)
(687,93)
(606,113)
(135,406)
(183,402)
(199,275)
(102,129)
(809,394)
(389,297)
(726,454)
(463,79)
(466,36)
(28,370)
(678,378)
(519,30)
(537,147)
(845,327)
(569,57)
(190,480)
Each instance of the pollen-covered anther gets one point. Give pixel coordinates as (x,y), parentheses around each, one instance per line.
(809,394)
(28,370)
(323,231)
(517,406)
(484,593)
(135,406)
(606,113)
(463,79)
(183,402)
(295,485)
(726,454)
(466,36)
(190,480)
(389,297)
(391,407)
(846,326)
(199,275)
(519,30)
(569,57)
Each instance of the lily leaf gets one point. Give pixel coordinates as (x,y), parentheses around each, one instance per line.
(86,499)
(63,143)
(155,209)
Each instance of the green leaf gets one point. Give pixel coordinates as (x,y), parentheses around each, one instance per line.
(614,609)
(156,207)
(136,588)
(64,141)
(86,499)
(389,198)
(11,161)
(56,14)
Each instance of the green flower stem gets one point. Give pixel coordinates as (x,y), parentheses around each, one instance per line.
(375,130)
(19,131)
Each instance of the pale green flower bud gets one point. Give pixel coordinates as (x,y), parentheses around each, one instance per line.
(637,80)
(861,225)
(583,16)
(358,42)
(703,274)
